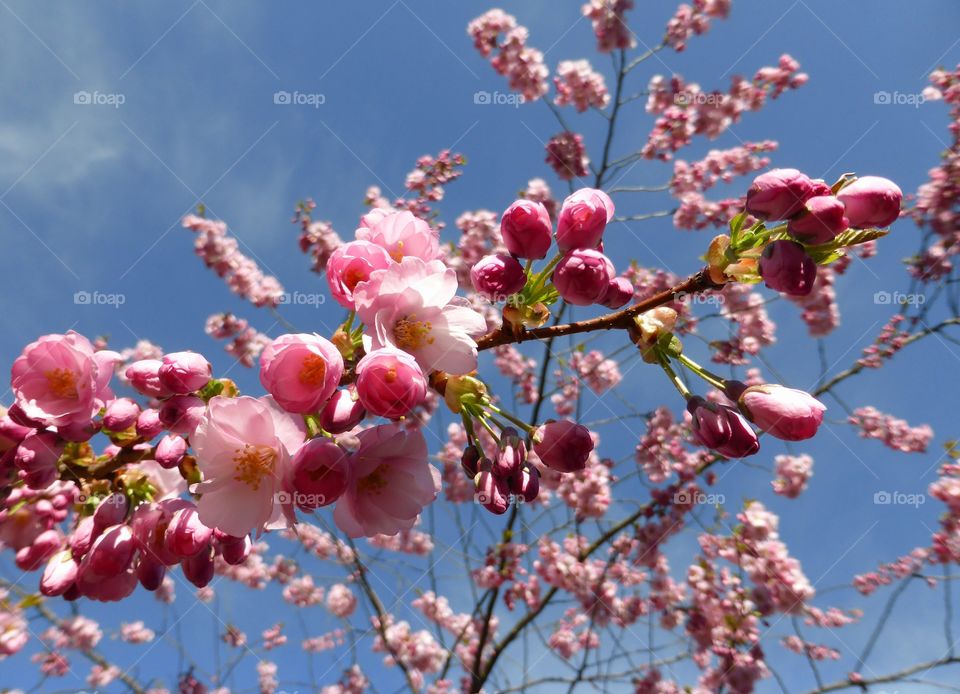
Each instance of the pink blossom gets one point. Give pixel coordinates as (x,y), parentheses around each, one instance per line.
(341,601)
(401,235)
(390,383)
(352,264)
(609,23)
(301,371)
(695,19)
(895,433)
(521,65)
(413,307)
(786,413)
(583,219)
(496,277)
(793,472)
(526,229)
(243,447)
(390,483)
(567,156)
(578,84)
(583,276)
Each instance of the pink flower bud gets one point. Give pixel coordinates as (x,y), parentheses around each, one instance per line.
(820,221)
(150,572)
(111,553)
(871,201)
(236,551)
(786,267)
(722,429)
(495,277)
(342,412)
(121,414)
(59,575)
(563,445)
(511,454)
(37,457)
(618,293)
(105,589)
(525,482)
(149,424)
(112,510)
(170,451)
(787,413)
(318,474)
(11,433)
(470,461)
(390,383)
(83,537)
(77,432)
(526,229)
(779,194)
(351,264)
(583,276)
(144,376)
(182,414)
(583,218)
(44,546)
(186,535)
(199,568)
(184,372)
(492,492)
(301,371)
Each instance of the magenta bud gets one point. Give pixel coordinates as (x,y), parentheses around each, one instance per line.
(526,229)
(779,194)
(181,414)
(184,372)
(583,219)
(112,510)
(525,482)
(511,454)
(342,412)
(44,546)
(563,445)
(150,572)
(199,568)
(821,219)
(492,492)
(37,457)
(170,451)
(470,461)
(319,474)
(583,276)
(77,432)
(185,534)
(235,553)
(144,376)
(16,413)
(786,267)
(83,537)
(722,428)
(786,413)
(59,575)
(871,201)
(121,414)
(149,424)
(618,293)
(496,277)
(11,433)
(111,553)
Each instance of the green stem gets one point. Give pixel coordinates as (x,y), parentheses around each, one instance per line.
(540,278)
(515,420)
(708,376)
(486,425)
(672,375)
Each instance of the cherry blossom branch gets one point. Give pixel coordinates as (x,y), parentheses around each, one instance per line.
(885,679)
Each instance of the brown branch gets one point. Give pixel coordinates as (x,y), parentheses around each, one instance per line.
(696,283)
(893,677)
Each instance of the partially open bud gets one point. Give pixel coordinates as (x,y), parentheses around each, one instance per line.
(495,277)
(583,276)
(511,454)
(787,413)
(112,510)
(583,218)
(59,575)
(526,229)
(492,492)
(144,376)
(470,461)
(186,534)
(342,412)
(390,383)
(319,474)
(525,482)
(199,568)
(184,372)
(170,451)
(721,428)
(786,267)
(779,194)
(563,445)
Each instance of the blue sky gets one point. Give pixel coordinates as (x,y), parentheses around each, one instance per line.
(91,196)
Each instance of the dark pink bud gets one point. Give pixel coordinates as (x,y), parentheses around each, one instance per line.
(237,551)
(390,383)
(511,454)
(583,276)
(788,414)
(722,429)
(184,372)
(144,376)
(150,572)
(78,432)
(186,535)
(492,492)
(121,414)
(319,474)
(112,510)
(111,553)
(59,575)
(181,414)
(779,194)
(495,277)
(11,433)
(618,293)
(470,461)
(563,445)
(786,267)
(83,537)
(44,546)
(149,424)
(871,201)
(170,451)
(526,229)
(820,221)
(342,412)
(16,413)
(583,218)
(199,568)
(37,457)
(525,482)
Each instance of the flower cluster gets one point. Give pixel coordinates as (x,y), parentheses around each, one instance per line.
(520,64)
(579,85)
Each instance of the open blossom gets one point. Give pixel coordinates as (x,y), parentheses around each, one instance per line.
(390,383)
(243,447)
(578,84)
(352,264)
(412,306)
(390,482)
(793,472)
(402,235)
(60,380)
(301,371)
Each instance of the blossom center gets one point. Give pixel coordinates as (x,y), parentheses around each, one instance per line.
(397,253)
(63,382)
(410,333)
(354,276)
(375,482)
(313,371)
(253,464)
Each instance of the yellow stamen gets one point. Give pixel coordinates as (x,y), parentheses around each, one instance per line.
(375,482)
(397,253)
(390,376)
(313,371)
(410,333)
(253,464)
(63,382)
